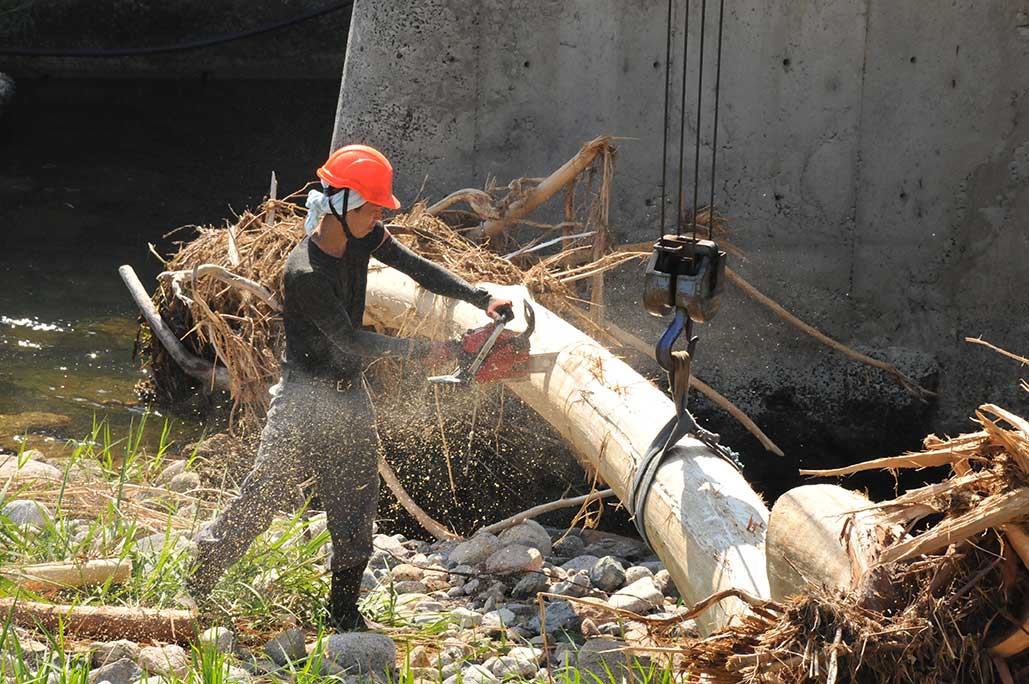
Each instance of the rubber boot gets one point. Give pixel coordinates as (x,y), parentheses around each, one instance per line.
(343,595)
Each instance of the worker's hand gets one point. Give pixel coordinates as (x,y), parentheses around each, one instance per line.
(500,307)
(439,353)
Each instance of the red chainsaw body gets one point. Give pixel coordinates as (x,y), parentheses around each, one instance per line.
(508,360)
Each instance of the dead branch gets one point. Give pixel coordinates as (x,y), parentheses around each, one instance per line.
(256,289)
(436,529)
(910,385)
(213,376)
(920,460)
(1003,352)
(537,511)
(994,511)
(547,188)
(481,202)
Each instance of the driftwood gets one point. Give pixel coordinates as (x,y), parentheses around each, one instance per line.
(537,511)
(547,188)
(103,622)
(57,576)
(213,376)
(706,522)
(910,385)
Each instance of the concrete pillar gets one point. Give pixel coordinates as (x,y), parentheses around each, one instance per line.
(873,159)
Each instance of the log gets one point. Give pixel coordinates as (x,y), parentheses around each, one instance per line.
(814,516)
(824,536)
(57,576)
(102,622)
(704,520)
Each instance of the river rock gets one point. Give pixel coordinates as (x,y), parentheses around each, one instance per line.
(637,572)
(513,666)
(26,513)
(665,584)
(604,657)
(390,546)
(104,652)
(466,618)
(168,473)
(22,648)
(580,563)
(220,639)
(640,597)
(473,674)
(499,619)
(514,558)
(27,471)
(362,653)
(527,653)
(475,550)
(184,482)
(528,533)
(168,661)
(529,585)
(569,546)
(560,618)
(405,572)
(409,587)
(576,586)
(286,646)
(616,545)
(122,671)
(607,574)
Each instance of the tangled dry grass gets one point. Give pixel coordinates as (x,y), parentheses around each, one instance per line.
(946,601)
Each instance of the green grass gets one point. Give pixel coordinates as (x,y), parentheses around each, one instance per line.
(280,580)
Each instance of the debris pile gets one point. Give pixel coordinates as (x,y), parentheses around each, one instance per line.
(945,592)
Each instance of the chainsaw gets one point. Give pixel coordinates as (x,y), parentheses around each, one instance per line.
(494,353)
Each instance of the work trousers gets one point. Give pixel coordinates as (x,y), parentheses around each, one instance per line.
(317,430)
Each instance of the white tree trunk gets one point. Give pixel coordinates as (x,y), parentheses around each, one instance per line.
(704,520)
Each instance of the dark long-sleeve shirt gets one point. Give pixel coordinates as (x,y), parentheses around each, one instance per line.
(324,299)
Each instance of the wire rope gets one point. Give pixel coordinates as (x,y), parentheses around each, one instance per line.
(664,142)
(714,134)
(700,103)
(682,122)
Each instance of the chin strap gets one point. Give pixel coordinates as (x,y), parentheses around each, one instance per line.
(341,218)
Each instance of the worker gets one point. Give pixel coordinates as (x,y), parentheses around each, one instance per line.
(321,424)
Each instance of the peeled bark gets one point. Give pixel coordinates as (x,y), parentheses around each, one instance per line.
(820,536)
(704,520)
(57,576)
(102,622)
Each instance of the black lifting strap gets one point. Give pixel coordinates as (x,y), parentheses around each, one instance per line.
(682,424)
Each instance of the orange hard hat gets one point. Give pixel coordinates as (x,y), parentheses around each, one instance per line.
(363,169)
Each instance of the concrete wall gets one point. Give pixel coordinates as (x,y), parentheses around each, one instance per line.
(313,49)
(873,157)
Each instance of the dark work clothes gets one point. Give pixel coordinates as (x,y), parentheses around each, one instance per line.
(321,423)
(324,303)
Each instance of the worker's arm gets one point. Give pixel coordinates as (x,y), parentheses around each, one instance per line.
(429,274)
(311,293)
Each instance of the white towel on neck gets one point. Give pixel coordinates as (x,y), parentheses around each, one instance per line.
(318,205)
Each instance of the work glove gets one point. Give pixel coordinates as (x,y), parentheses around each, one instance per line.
(440,353)
(500,307)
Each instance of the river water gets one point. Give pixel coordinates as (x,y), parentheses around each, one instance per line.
(90,173)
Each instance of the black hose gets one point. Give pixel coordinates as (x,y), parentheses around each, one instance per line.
(180,47)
